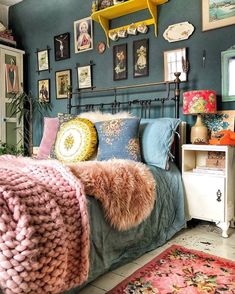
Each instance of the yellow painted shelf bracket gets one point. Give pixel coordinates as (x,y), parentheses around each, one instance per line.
(104,22)
(153,11)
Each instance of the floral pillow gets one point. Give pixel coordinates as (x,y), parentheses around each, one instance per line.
(118,138)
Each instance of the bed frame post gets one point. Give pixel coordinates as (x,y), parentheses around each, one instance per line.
(177,94)
(177,105)
(69,103)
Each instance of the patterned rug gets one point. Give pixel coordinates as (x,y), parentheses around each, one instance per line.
(182,271)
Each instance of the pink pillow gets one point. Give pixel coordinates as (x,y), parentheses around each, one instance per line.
(51,125)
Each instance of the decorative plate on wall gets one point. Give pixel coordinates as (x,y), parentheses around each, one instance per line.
(179,31)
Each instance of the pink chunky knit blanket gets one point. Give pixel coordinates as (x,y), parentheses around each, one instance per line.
(44,229)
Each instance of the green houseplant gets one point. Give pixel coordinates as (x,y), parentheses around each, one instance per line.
(26,107)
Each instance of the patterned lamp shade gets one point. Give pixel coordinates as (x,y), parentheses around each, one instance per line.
(201,101)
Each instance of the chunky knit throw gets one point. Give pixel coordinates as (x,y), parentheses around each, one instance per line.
(44,229)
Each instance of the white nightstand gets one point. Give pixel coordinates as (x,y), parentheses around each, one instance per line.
(210,195)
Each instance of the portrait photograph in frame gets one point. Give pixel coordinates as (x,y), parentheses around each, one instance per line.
(62,82)
(120,65)
(217,14)
(43,60)
(83,35)
(62,46)
(141,58)
(175,61)
(44,90)
(84,77)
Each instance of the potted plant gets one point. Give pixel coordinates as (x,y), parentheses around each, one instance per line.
(24,106)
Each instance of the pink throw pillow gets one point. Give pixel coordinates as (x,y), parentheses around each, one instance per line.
(51,125)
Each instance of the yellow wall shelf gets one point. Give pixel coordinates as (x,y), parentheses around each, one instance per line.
(103,16)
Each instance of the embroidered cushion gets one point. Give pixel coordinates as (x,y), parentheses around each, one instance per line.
(118,138)
(51,125)
(157,136)
(76,140)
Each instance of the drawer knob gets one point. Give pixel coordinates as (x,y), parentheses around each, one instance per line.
(219,195)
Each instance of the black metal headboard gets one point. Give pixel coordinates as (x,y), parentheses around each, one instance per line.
(145,105)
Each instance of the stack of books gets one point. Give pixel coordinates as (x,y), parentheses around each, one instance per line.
(209,170)
(7,38)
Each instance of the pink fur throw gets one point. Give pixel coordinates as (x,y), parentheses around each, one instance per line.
(44,229)
(125,188)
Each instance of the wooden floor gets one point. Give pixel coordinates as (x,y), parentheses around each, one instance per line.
(204,236)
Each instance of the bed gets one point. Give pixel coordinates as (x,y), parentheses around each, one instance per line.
(109,247)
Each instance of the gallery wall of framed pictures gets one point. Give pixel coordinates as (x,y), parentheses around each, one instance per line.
(134,54)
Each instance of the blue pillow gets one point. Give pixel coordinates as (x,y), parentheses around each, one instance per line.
(118,138)
(157,136)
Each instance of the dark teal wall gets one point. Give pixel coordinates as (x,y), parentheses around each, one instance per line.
(35,23)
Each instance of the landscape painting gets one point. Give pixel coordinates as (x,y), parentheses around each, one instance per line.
(217,13)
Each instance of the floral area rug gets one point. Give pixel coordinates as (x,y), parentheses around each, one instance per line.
(182,271)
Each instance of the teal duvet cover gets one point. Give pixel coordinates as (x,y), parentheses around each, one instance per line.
(111,248)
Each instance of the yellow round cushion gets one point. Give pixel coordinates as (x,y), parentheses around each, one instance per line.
(76,140)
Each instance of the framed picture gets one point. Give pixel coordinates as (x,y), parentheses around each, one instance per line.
(101,47)
(84,77)
(217,13)
(102,4)
(83,35)
(43,60)
(120,62)
(44,90)
(62,46)
(140,58)
(62,82)
(175,61)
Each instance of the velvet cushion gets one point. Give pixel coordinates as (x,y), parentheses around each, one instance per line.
(76,140)
(157,136)
(118,138)
(51,126)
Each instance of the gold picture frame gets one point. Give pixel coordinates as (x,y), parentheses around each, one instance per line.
(216,14)
(62,82)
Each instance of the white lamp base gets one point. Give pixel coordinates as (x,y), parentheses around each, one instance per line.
(199,132)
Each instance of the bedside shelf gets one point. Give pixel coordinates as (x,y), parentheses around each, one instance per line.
(103,16)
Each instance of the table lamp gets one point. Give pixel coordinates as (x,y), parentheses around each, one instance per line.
(199,102)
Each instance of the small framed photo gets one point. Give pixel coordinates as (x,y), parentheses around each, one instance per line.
(141,58)
(217,14)
(62,82)
(175,61)
(101,47)
(44,90)
(104,4)
(62,46)
(83,35)
(43,60)
(120,69)
(84,77)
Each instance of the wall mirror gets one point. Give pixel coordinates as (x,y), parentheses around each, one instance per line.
(228,74)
